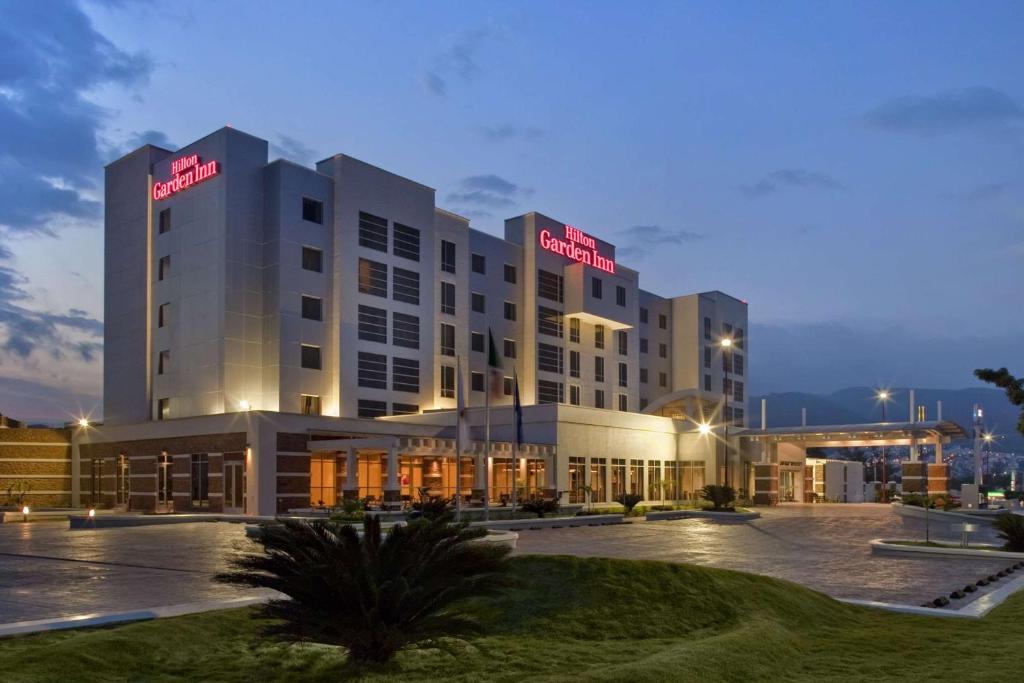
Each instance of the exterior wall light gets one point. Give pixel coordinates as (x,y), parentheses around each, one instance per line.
(244,405)
(704,428)
(24,512)
(83,422)
(92,512)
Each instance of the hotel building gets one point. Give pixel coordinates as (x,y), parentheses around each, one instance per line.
(279,336)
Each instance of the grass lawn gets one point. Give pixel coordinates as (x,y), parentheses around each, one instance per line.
(572,619)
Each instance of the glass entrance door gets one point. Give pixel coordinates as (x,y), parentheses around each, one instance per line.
(164,481)
(787,486)
(234,488)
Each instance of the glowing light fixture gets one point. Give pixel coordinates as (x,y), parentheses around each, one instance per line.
(726,343)
(92,512)
(83,422)
(987,437)
(704,428)
(244,405)
(883,395)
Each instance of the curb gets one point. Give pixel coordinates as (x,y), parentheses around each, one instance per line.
(880,545)
(665,515)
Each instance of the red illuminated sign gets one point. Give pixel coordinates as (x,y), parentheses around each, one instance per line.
(185,172)
(577,245)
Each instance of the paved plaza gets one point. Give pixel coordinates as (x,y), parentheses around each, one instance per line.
(48,571)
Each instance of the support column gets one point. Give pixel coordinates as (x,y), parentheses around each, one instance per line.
(479,475)
(938,473)
(351,490)
(392,490)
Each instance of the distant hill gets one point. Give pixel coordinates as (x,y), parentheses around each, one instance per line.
(858,404)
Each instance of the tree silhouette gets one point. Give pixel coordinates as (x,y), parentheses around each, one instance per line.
(1004,380)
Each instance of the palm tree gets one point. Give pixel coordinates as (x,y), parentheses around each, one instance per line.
(371,593)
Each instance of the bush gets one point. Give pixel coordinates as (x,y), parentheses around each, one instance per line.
(432,508)
(628,500)
(539,506)
(351,510)
(720,497)
(372,594)
(1011,530)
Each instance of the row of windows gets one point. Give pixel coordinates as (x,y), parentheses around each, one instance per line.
(597,291)
(662,318)
(372,408)
(478,264)
(553,392)
(737,336)
(373,326)
(373,372)
(373,234)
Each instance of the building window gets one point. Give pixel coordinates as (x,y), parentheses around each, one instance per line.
(510,273)
(448,298)
(727,387)
(309,404)
(447,256)
(643,375)
(737,365)
(163,363)
(737,417)
(163,313)
(407,242)
(598,336)
(478,264)
(312,210)
(163,408)
(312,308)
(447,381)
(477,302)
(623,343)
(707,382)
(643,404)
(663,321)
(620,295)
(707,356)
(549,322)
(507,386)
(476,342)
(726,362)
(623,375)
(643,315)
(405,375)
(404,409)
(405,330)
(372,370)
(373,232)
(549,358)
(373,324)
(737,391)
(200,480)
(370,409)
(574,330)
(599,398)
(447,339)
(662,379)
(323,479)
(740,340)
(707,328)
(727,330)
(476,381)
(643,345)
(405,285)
(373,278)
(574,363)
(510,348)
(662,350)
(163,268)
(312,259)
(574,394)
(550,392)
(596,287)
(550,286)
(165,221)
(598,369)
(510,311)
(623,403)
(310,357)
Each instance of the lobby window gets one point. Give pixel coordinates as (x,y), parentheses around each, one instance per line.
(507,386)
(405,330)
(550,286)
(372,370)
(323,480)
(309,404)
(476,342)
(373,324)
(163,363)
(405,285)
(596,287)
(163,408)
(643,375)
(574,394)
(623,342)
(574,363)
(165,221)
(662,350)
(510,311)
(623,375)
(663,321)
(404,409)
(163,315)
(478,263)
(448,298)
(599,398)
(373,278)
(510,273)
(510,348)
(643,345)
(312,259)
(373,232)
(163,270)
(549,358)
(623,403)
(662,379)
(447,339)
(447,256)
(574,330)
(405,375)
(200,480)
(478,302)
(643,315)
(708,352)
(550,392)
(369,408)
(447,381)
(707,328)
(737,365)
(312,210)
(598,369)
(312,308)
(310,357)
(620,295)
(598,336)
(549,322)
(738,391)
(407,242)
(476,381)
(707,382)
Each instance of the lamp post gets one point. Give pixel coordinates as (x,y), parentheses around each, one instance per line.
(727,392)
(883,396)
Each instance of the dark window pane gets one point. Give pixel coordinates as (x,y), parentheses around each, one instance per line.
(373,232)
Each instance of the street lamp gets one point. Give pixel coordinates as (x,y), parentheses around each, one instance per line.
(704,428)
(884,396)
(727,393)
(83,422)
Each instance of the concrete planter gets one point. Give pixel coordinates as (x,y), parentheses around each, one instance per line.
(550,522)
(941,516)
(664,515)
(498,537)
(880,545)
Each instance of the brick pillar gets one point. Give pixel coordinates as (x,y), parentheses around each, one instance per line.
(914,477)
(766,483)
(938,479)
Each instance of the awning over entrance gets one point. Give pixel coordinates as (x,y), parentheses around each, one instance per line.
(870,434)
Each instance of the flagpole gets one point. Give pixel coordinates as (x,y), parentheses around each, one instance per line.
(458,441)
(487,451)
(515,440)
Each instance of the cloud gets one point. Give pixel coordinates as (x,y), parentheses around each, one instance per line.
(791,177)
(458,58)
(488,190)
(24,331)
(643,240)
(35,402)
(506,132)
(52,58)
(947,111)
(986,192)
(291,149)
(157,138)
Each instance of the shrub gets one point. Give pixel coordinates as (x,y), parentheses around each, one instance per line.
(628,500)
(372,594)
(351,510)
(539,506)
(1011,530)
(432,508)
(720,497)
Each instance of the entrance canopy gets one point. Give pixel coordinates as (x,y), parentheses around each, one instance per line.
(871,434)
